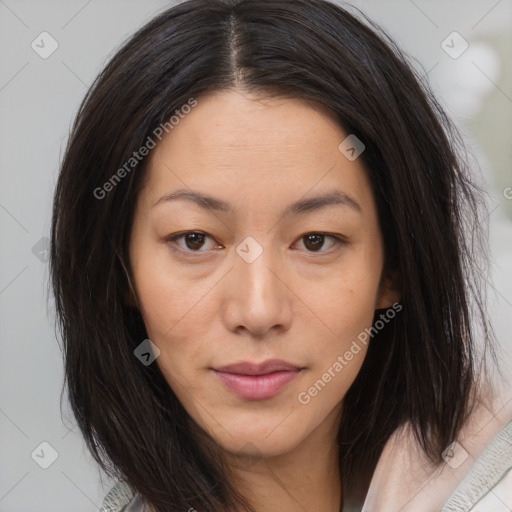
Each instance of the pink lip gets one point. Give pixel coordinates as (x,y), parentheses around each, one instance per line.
(257,381)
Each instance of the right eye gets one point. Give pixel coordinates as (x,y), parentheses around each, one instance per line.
(193,241)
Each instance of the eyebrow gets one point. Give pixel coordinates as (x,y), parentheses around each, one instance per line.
(331,198)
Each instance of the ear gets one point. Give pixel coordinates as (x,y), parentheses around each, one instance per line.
(389,290)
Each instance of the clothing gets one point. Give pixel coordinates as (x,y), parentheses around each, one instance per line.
(480,468)
(476,477)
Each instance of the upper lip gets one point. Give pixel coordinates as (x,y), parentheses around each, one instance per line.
(248,368)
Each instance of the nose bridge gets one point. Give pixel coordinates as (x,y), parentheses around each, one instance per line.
(256,275)
(258,300)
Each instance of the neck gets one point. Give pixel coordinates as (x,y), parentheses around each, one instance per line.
(306,478)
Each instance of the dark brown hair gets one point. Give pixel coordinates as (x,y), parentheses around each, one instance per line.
(421,368)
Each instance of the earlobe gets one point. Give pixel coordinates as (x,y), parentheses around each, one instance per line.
(389,290)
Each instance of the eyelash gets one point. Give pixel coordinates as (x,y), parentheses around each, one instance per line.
(172,242)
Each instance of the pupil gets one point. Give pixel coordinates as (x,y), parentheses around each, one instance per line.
(190,238)
(316,243)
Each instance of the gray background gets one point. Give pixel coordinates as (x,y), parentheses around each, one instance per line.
(38,100)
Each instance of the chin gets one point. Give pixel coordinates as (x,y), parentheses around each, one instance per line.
(258,434)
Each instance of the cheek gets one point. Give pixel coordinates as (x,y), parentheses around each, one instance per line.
(175,310)
(346,298)
(165,296)
(174,317)
(346,304)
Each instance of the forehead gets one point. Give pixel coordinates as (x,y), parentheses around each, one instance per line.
(237,122)
(235,144)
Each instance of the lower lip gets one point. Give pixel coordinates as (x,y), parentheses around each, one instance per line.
(257,387)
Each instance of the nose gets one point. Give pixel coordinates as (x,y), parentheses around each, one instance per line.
(257,297)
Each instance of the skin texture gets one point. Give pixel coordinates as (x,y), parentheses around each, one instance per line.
(209,307)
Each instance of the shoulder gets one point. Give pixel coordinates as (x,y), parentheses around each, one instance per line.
(489,480)
(119,498)
(477,464)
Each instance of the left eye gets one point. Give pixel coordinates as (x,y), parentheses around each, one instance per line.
(314,241)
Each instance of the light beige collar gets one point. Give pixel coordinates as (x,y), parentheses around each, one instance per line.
(406,481)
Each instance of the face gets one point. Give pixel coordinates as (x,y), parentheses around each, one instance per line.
(269,257)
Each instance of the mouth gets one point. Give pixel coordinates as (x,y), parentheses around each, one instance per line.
(253,381)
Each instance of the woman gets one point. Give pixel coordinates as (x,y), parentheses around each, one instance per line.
(265,271)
